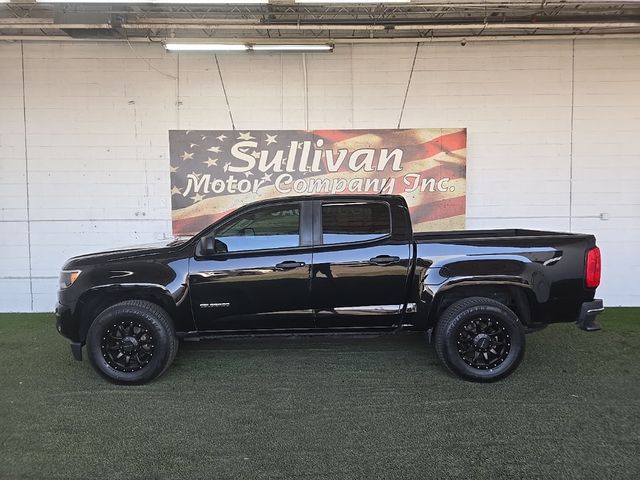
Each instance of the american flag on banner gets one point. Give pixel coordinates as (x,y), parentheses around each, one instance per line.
(215,172)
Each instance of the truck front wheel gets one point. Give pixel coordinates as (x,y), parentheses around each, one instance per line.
(479,339)
(132,342)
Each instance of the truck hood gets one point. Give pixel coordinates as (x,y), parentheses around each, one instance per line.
(123,253)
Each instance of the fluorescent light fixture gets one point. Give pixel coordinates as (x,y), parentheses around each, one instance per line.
(353,2)
(186,2)
(239,47)
(292,48)
(206,47)
(228,2)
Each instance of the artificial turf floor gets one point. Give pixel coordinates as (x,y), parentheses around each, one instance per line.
(369,407)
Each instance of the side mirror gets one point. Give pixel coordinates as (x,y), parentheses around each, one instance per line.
(220,246)
(211,246)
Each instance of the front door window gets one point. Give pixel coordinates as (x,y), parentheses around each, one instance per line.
(266,228)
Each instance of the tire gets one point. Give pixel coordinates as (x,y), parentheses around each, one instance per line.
(137,329)
(479,339)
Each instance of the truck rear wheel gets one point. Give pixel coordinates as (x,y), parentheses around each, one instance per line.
(479,339)
(132,342)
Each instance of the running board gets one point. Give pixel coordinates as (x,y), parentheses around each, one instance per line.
(351,332)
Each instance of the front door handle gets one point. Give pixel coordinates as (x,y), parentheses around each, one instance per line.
(384,260)
(289,264)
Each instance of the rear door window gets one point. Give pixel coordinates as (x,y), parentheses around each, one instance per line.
(354,222)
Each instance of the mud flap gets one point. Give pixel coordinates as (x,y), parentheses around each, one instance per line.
(588,313)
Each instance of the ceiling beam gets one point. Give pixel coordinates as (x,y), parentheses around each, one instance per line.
(176,24)
(463,40)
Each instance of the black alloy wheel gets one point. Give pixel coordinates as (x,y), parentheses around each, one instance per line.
(483,342)
(127,346)
(132,342)
(480,339)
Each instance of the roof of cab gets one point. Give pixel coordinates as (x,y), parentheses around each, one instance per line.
(331,197)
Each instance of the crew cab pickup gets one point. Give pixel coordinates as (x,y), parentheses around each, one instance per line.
(315,264)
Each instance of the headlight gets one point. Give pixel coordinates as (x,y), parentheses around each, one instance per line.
(68,277)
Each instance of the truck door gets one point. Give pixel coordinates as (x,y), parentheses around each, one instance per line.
(259,277)
(359,269)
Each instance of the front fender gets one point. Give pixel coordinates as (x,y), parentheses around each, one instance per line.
(96,299)
(98,287)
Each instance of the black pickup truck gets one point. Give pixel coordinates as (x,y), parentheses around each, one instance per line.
(328,264)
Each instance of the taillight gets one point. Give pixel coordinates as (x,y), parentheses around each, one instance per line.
(592,277)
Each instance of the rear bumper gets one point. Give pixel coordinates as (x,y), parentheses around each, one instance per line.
(588,313)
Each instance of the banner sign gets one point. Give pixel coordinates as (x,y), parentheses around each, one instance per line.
(215,172)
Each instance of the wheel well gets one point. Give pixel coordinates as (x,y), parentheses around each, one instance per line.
(93,303)
(516,298)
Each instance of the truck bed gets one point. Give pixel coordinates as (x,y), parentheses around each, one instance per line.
(549,265)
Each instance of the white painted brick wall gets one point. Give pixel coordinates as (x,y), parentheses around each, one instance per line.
(554,137)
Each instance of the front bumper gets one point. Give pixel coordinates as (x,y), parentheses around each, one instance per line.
(66,325)
(588,313)
(63,319)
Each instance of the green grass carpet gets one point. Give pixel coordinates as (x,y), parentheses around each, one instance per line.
(374,407)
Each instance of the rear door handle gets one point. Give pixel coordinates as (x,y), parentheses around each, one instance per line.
(289,264)
(384,260)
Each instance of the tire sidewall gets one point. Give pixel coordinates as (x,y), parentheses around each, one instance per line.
(112,316)
(513,327)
